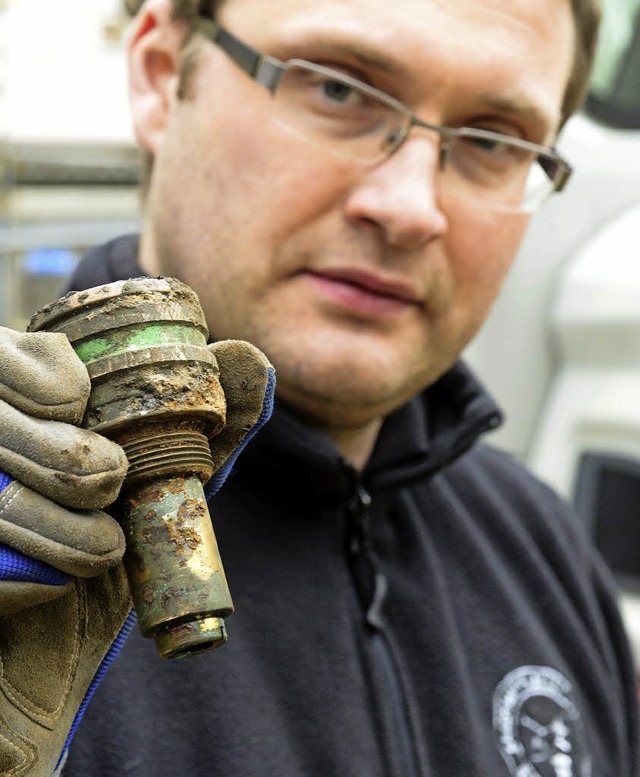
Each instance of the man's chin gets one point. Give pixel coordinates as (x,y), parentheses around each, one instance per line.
(342,403)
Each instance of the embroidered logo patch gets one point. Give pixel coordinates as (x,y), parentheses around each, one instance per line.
(538,726)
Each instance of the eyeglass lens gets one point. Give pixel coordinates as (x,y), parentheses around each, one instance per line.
(352,123)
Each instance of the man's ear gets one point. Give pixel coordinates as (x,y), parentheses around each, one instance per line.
(154,46)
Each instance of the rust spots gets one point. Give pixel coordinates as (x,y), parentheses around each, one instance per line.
(171,598)
(191,510)
(182,532)
(144,496)
(186,539)
(153,535)
(176,486)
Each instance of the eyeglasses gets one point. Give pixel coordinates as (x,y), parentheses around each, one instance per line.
(356,121)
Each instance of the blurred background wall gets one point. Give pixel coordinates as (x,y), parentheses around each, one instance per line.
(68,164)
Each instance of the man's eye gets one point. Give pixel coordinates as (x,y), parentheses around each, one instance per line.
(491,145)
(339,92)
(487,144)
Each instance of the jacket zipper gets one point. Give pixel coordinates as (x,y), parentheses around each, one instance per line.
(372,584)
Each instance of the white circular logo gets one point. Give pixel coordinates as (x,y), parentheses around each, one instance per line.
(538,725)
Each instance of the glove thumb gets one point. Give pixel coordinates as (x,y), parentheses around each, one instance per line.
(248,380)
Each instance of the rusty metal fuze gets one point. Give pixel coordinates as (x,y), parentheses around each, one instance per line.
(155,391)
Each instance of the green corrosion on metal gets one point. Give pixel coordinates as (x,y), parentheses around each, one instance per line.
(172,556)
(138,337)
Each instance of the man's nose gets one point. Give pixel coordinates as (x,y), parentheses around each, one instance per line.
(400,196)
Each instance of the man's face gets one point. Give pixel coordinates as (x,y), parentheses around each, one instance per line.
(359,284)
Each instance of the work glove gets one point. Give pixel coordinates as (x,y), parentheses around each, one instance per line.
(65,607)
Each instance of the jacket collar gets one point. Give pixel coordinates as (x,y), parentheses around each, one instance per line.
(415,442)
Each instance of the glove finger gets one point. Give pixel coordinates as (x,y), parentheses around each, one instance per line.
(80,543)
(16,596)
(41,375)
(72,466)
(248,380)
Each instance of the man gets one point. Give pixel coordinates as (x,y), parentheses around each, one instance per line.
(408,601)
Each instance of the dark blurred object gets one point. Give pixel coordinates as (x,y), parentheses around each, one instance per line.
(132,6)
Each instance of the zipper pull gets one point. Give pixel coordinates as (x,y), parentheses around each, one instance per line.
(361,547)
(374,612)
(360,542)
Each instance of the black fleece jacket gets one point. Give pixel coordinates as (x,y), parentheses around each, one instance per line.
(441,615)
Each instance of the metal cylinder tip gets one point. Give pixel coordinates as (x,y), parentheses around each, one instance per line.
(189,639)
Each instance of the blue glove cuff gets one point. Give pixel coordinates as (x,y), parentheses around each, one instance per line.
(219,477)
(112,653)
(17,567)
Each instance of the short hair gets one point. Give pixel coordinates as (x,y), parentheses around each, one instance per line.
(586,18)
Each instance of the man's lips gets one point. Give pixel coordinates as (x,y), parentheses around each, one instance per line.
(364,291)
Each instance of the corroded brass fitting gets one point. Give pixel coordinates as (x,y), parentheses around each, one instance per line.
(155,391)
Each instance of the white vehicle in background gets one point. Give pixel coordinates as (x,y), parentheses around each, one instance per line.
(561,351)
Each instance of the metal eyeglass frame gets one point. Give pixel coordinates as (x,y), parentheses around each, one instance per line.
(268,72)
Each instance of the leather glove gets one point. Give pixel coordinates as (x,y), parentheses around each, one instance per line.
(65,607)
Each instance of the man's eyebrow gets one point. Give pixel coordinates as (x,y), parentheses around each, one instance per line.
(372,58)
(535,115)
(367,56)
